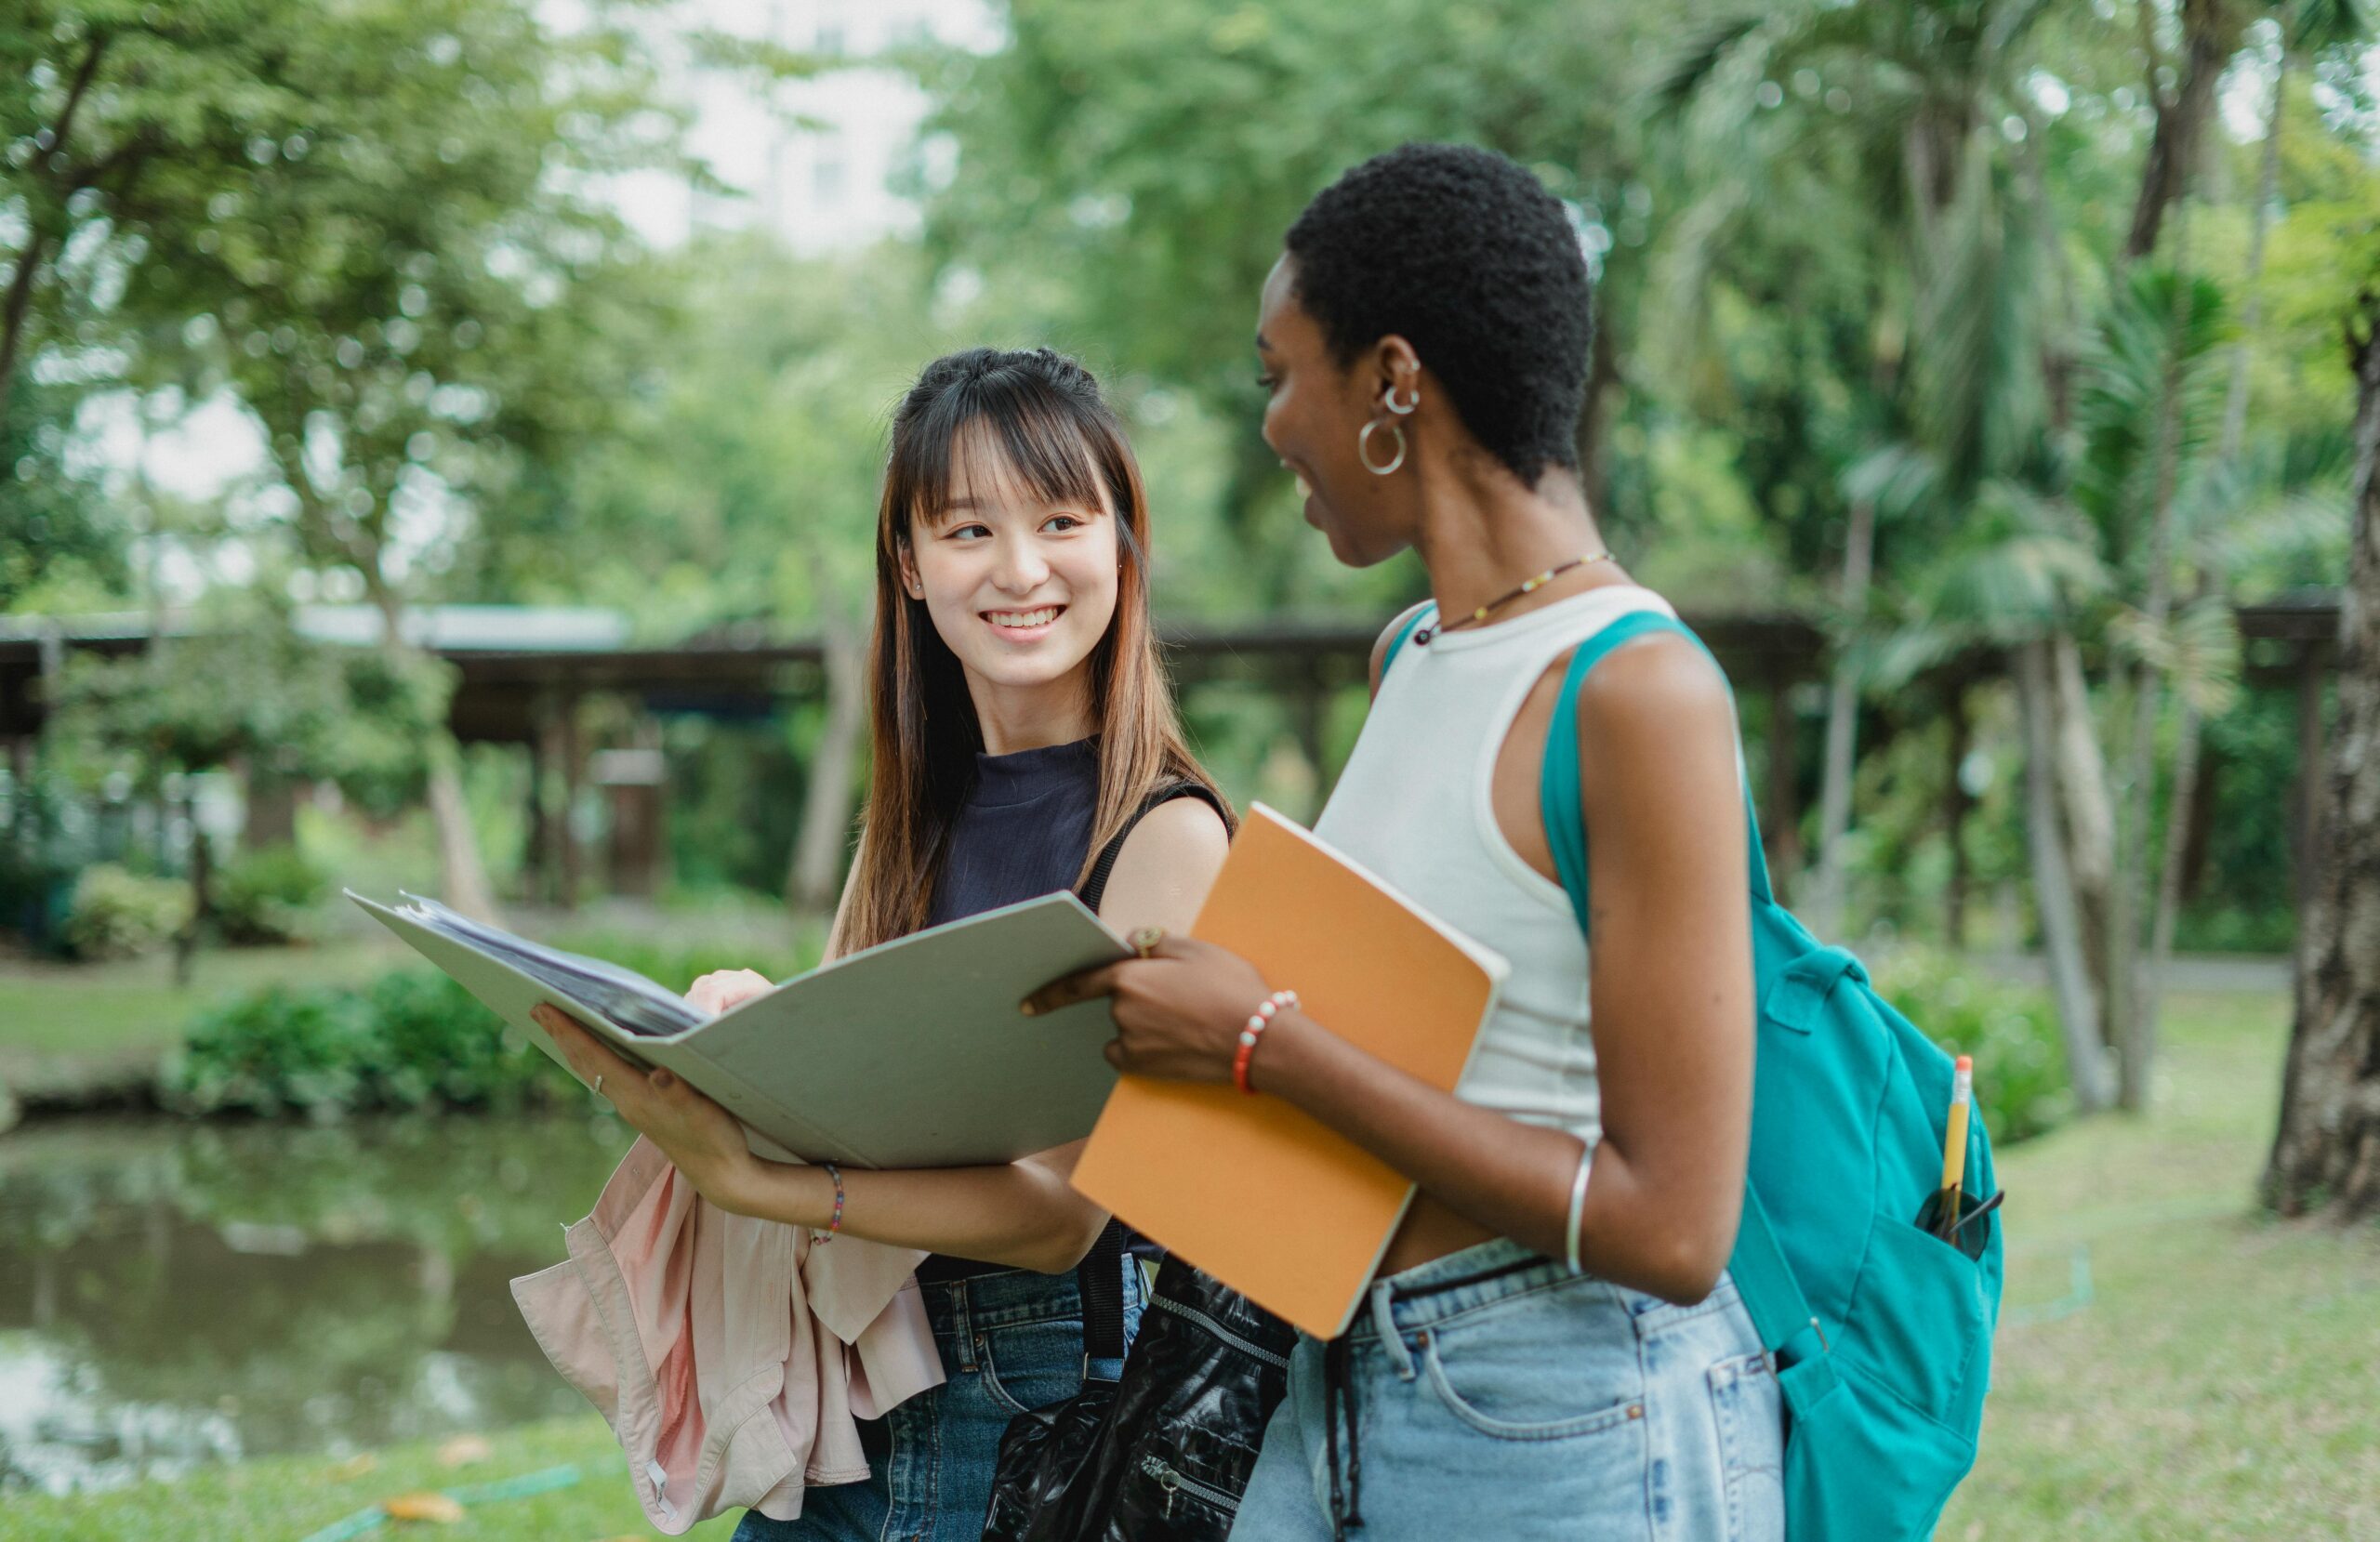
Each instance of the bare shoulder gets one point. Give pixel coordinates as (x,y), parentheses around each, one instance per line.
(1168,864)
(1657,690)
(1388,635)
(1185,828)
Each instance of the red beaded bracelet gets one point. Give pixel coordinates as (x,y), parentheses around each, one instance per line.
(1258,1022)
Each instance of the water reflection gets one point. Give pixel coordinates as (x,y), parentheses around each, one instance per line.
(174,1293)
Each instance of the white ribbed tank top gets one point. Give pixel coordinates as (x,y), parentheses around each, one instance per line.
(1415,806)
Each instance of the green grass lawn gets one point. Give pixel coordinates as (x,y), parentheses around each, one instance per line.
(57,1019)
(2220,1381)
(2214,1380)
(287,1498)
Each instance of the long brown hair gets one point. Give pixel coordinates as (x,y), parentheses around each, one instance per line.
(1044,413)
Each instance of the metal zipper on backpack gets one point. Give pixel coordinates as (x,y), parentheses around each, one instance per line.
(1174,1483)
(1234,1341)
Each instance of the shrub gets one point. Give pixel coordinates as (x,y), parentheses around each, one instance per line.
(116,912)
(412,1038)
(268,897)
(440,1046)
(278,1049)
(2011,1032)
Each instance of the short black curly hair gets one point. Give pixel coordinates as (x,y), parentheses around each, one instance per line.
(1462,253)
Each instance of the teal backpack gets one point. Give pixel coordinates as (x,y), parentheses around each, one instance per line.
(1881,1332)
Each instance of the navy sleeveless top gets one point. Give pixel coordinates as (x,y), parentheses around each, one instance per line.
(1024,832)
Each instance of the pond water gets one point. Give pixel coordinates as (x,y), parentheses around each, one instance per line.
(173,1293)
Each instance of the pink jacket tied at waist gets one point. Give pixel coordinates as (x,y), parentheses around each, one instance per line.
(729,1355)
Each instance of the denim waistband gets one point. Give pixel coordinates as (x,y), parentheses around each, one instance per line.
(1001,1299)
(1463,1281)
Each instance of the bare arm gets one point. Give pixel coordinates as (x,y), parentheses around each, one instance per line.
(1671,988)
(1024,1213)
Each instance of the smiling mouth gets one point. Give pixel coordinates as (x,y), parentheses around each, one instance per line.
(1024,620)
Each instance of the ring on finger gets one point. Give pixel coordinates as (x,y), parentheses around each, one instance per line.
(1146,939)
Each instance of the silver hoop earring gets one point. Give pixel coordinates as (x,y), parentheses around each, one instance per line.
(1364,446)
(1388,400)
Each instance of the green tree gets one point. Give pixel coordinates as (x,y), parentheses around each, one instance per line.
(2326,1153)
(408,291)
(743,486)
(1139,221)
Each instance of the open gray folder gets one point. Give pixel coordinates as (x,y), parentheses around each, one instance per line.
(911,1054)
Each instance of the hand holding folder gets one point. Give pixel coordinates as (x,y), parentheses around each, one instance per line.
(1250,1189)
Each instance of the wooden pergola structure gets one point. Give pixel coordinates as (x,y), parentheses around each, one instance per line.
(525,690)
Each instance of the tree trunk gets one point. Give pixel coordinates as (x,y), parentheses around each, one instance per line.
(2235,396)
(1956,802)
(1841,727)
(2180,825)
(2210,36)
(2128,995)
(1593,434)
(462,876)
(202,898)
(2078,1013)
(2089,813)
(16,310)
(816,875)
(2326,1154)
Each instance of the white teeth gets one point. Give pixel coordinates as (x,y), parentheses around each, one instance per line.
(1041,617)
(1305,489)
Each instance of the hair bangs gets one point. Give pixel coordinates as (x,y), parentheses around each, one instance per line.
(1014,435)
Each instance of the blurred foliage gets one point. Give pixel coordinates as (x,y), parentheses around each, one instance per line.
(117,914)
(1867,251)
(58,548)
(411,1038)
(249,690)
(2011,1031)
(268,897)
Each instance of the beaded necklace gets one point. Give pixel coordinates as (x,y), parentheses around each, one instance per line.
(1422,637)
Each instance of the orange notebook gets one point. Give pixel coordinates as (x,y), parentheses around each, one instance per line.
(1261,1196)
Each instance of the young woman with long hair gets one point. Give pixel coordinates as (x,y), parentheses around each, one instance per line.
(1022,729)
(1538,1356)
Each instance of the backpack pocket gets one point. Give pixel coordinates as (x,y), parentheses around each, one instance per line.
(1920,1310)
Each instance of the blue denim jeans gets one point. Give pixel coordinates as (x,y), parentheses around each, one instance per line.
(1492,1393)
(1010,1342)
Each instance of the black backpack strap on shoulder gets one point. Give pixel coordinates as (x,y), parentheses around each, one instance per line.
(1094,887)
(1100,1281)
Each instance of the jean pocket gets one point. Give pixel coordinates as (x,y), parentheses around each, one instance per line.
(1528,1387)
(1654,1316)
(1031,1365)
(1750,1417)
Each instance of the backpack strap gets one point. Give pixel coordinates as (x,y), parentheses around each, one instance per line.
(1405,635)
(1788,1328)
(1566,829)
(1099,1280)
(1780,1312)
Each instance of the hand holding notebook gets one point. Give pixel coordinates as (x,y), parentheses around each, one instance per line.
(1255,1191)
